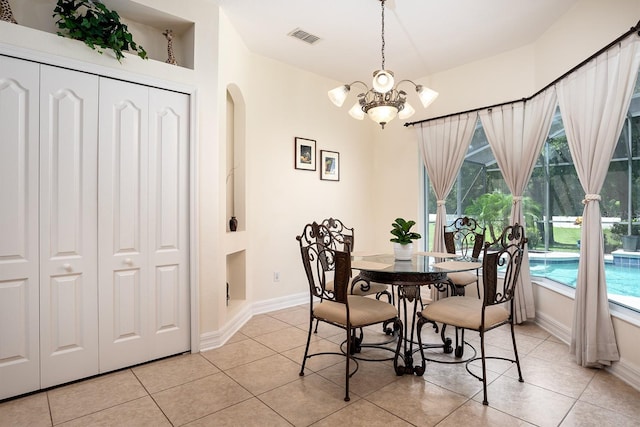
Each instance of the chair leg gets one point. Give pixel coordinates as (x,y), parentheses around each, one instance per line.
(446,341)
(485,401)
(515,352)
(306,350)
(459,351)
(346,373)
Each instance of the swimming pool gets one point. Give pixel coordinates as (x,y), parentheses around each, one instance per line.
(621,280)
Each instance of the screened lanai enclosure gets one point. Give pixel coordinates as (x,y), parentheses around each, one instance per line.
(553,205)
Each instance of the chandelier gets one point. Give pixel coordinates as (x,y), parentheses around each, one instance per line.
(383,102)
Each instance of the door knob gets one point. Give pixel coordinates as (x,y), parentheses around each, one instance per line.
(67,266)
(128,261)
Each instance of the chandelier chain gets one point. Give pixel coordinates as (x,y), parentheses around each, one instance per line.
(382,3)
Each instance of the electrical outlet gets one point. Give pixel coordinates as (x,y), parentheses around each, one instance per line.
(276,276)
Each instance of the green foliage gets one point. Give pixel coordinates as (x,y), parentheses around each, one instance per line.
(99,28)
(494,211)
(622,228)
(401,231)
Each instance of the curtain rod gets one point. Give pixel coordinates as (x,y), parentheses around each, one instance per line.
(632,30)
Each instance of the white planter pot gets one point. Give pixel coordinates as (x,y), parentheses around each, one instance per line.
(403,252)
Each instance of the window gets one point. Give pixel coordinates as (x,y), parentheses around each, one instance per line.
(553,206)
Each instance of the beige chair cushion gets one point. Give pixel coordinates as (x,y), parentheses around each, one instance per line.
(363,311)
(463,278)
(464,312)
(374,288)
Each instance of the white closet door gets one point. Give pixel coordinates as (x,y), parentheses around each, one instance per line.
(169,221)
(19,352)
(122,224)
(68,225)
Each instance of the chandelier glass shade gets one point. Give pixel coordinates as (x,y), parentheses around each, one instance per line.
(384,101)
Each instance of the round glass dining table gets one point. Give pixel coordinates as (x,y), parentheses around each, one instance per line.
(407,278)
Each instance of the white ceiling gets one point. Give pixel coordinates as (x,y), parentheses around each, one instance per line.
(422,36)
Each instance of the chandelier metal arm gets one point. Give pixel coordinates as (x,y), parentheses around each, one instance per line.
(357,81)
(410,81)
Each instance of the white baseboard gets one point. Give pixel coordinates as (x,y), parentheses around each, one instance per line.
(555,328)
(215,339)
(267,306)
(626,371)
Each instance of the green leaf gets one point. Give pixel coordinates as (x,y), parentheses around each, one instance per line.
(98,28)
(401,229)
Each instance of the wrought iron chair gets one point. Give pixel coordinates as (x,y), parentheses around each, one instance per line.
(336,306)
(494,309)
(344,239)
(464,237)
(332,234)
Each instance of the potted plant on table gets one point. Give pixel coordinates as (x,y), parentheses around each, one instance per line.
(403,238)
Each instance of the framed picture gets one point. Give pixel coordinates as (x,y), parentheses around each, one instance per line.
(305,154)
(329,165)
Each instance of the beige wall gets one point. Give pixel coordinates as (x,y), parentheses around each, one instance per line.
(282,103)
(586,28)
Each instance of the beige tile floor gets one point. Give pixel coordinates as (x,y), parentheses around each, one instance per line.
(253,381)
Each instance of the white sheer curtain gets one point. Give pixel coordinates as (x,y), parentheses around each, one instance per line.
(444,143)
(516,133)
(593,102)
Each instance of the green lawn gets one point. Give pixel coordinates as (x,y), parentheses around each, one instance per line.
(566,239)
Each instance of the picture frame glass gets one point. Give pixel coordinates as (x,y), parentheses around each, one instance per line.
(330,165)
(305,154)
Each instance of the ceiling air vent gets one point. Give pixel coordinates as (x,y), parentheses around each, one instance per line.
(304,36)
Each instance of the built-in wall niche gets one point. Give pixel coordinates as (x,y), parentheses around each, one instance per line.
(236,277)
(145,24)
(235,158)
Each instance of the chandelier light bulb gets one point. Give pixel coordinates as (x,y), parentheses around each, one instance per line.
(383,81)
(382,114)
(356,111)
(406,112)
(426,95)
(338,95)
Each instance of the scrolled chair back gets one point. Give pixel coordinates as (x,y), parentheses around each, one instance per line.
(313,233)
(342,235)
(464,236)
(318,252)
(504,257)
(318,233)
(315,258)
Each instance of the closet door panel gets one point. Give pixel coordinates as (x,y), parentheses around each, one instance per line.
(123,224)
(19,263)
(168,220)
(68,225)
